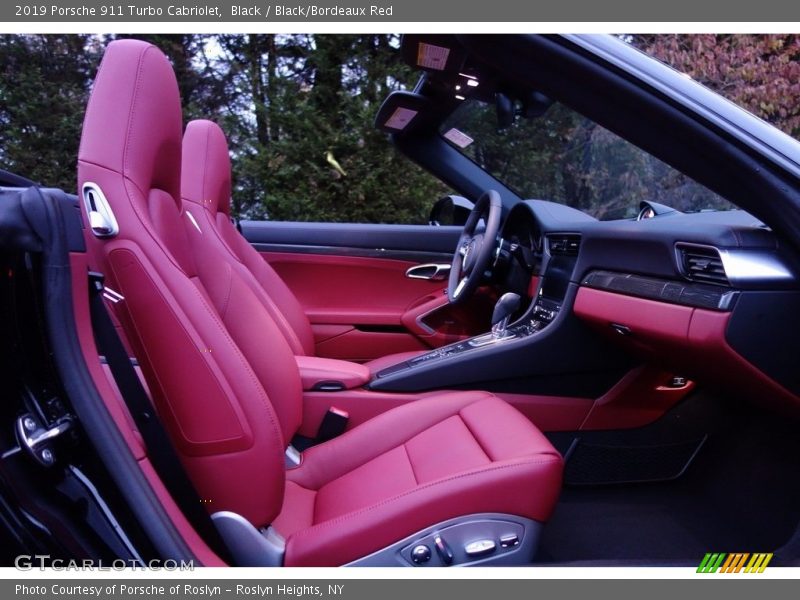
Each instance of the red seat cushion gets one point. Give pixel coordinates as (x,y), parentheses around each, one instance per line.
(451,455)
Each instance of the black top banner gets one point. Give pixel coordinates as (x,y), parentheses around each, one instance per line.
(395,11)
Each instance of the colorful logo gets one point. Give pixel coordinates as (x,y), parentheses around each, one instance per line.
(737,562)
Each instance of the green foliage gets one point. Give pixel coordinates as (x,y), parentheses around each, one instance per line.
(298,111)
(202,89)
(307,150)
(43,93)
(564,157)
(759,72)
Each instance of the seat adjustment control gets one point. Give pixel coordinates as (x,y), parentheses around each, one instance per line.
(480,548)
(509,541)
(443,550)
(420,554)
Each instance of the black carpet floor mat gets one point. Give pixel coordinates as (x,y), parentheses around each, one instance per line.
(740,493)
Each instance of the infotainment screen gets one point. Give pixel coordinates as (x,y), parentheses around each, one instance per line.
(556,277)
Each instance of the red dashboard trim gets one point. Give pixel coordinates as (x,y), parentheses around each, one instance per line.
(681,339)
(639,398)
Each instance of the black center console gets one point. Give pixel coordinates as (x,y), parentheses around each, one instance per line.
(547,351)
(538,317)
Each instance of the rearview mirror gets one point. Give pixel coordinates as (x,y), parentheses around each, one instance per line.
(535,104)
(505,110)
(451,210)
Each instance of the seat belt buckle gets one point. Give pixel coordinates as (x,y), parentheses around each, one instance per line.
(333,424)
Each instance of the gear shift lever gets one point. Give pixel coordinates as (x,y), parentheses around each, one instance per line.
(505,307)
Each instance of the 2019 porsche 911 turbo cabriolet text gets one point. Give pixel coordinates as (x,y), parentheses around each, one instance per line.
(597,365)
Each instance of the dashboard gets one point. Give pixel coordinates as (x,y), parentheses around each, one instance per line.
(711,294)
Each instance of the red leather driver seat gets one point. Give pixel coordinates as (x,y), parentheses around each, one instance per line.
(206,182)
(226,385)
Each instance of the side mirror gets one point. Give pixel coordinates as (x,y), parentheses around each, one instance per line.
(648,210)
(451,210)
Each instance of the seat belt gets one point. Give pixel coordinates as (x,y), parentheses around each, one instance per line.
(159,448)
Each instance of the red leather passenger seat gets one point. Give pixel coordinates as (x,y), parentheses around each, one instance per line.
(457,454)
(206,183)
(225,382)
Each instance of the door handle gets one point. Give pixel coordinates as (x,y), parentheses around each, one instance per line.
(432,271)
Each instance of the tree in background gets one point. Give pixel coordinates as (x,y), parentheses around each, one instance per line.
(46,80)
(564,157)
(299,109)
(43,91)
(759,72)
(201,84)
(303,141)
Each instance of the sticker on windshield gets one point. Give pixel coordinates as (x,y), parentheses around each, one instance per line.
(400,118)
(460,139)
(432,57)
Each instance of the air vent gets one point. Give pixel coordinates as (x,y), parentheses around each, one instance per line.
(702,263)
(564,244)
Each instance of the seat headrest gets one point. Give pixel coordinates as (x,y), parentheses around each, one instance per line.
(133,123)
(206,170)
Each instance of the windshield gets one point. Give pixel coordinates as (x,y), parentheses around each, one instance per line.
(564,157)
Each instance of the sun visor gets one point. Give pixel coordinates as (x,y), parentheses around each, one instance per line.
(402,112)
(434,53)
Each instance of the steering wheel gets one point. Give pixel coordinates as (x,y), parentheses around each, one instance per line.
(474,250)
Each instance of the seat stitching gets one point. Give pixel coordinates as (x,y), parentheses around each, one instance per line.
(261,293)
(248,369)
(276,311)
(129,134)
(475,437)
(246,365)
(410,464)
(419,488)
(226,300)
(133,110)
(100,73)
(205,169)
(314,450)
(313,505)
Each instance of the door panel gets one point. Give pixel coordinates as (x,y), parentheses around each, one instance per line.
(351,281)
(351,289)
